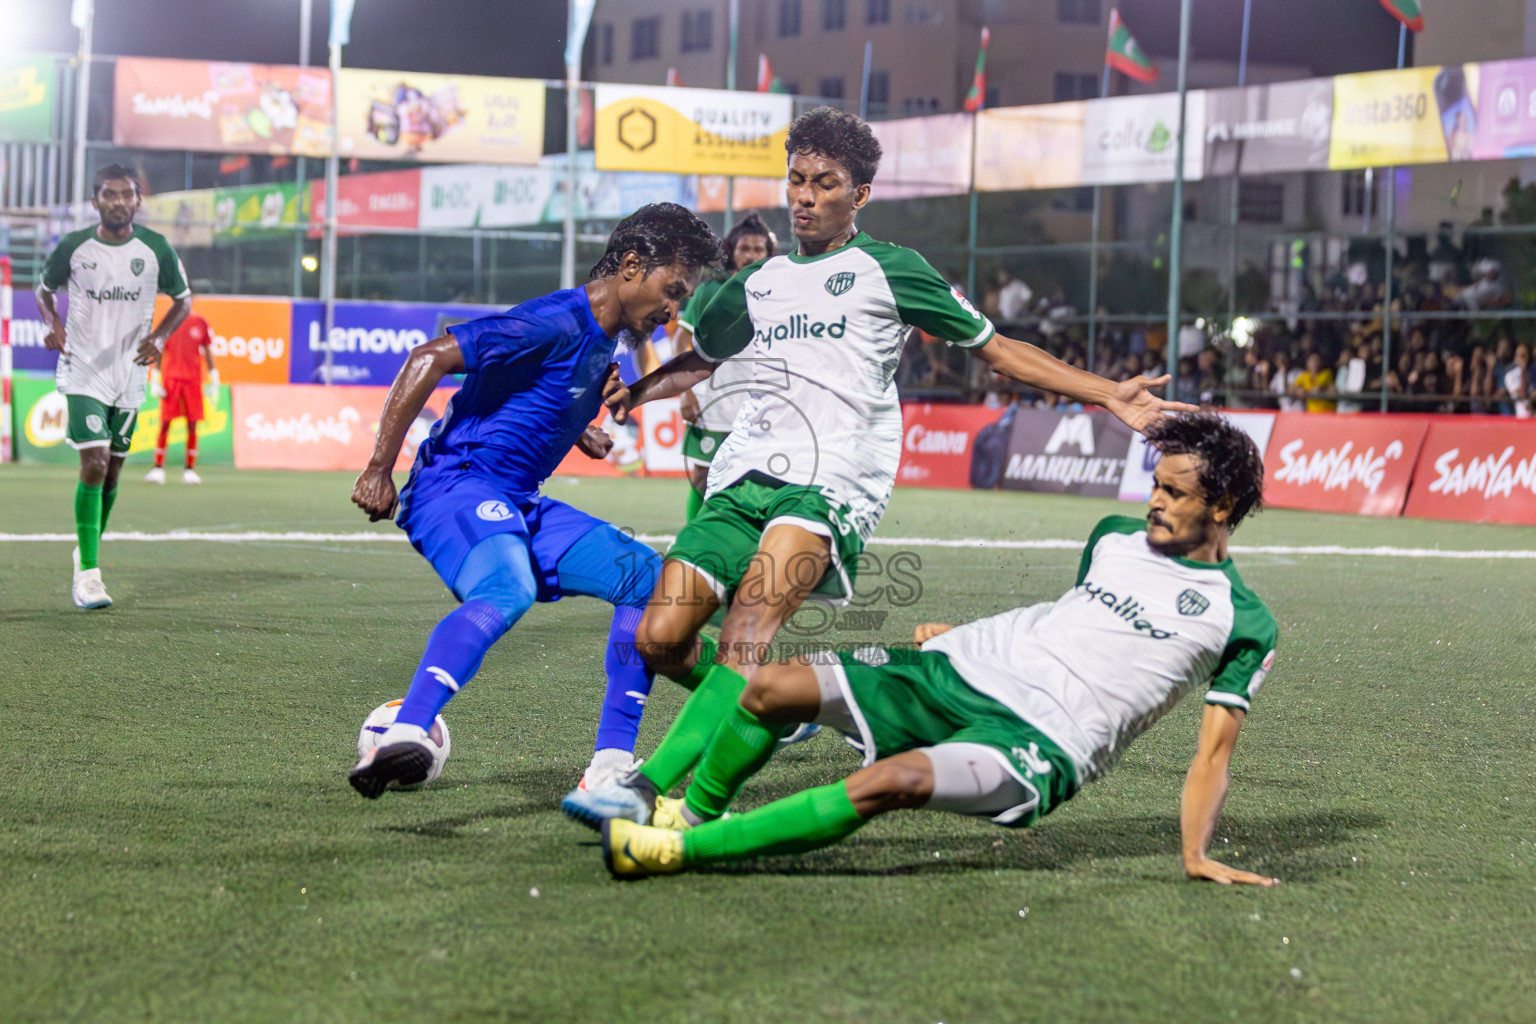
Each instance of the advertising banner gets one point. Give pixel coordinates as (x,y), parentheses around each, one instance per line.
(43,419)
(750,194)
(1264,129)
(939,449)
(282,426)
(221,108)
(1342,463)
(184,218)
(1066,453)
(467,196)
(1412,116)
(389,199)
(1506,120)
(258,211)
(27,349)
(691,131)
(1030,147)
(1141,458)
(661,438)
(26,99)
(924,156)
(1130,139)
(1477,471)
(250,336)
(403,115)
(370,340)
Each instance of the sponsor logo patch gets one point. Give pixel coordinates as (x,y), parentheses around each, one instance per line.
(837,284)
(493,511)
(1192,602)
(136,266)
(95,424)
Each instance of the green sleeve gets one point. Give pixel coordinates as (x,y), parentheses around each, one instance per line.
(1107,525)
(1250,652)
(173,277)
(724,328)
(689,317)
(56,272)
(928,302)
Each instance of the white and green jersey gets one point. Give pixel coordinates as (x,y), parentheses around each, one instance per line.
(1139,630)
(720,396)
(821,336)
(112,288)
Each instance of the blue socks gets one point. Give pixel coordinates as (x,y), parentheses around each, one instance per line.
(454,652)
(629,683)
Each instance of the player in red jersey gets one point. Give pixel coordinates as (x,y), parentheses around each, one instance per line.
(179,387)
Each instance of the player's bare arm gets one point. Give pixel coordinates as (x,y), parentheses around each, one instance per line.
(154,342)
(669,380)
(54,340)
(424,369)
(928,630)
(1205,789)
(1131,400)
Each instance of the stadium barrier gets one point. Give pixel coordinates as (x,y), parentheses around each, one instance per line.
(1331,462)
(1476,471)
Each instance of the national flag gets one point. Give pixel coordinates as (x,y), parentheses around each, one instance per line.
(976,99)
(1409,12)
(767,81)
(341,22)
(673,78)
(1123,53)
(79,13)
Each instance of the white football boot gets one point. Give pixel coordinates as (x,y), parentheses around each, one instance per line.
(88,591)
(155,476)
(189,476)
(402,758)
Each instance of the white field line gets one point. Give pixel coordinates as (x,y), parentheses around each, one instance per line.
(979,543)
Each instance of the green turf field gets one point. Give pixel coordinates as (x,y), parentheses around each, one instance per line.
(178,842)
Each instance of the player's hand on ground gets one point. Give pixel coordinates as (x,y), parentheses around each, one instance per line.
(616,395)
(149,352)
(594,443)
(689,407)
(1214,871)
(1135,403)
(928,630)
(375,494)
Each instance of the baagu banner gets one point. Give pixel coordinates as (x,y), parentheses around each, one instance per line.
(1413,116)
(1269,128)
(924,156)
(1030,147)
(691,131)
(404,115)
(1130,139)
(222,108)
(26,99)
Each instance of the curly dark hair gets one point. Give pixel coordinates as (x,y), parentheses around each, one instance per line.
(751,224)
(1230,464)
(661,234)
(838,136)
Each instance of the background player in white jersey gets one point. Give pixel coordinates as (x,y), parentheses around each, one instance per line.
(802,481)
(113,271)
(1008,716)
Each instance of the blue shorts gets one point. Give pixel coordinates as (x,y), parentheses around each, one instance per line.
(445,514)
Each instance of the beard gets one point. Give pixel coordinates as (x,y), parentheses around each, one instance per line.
(627,340)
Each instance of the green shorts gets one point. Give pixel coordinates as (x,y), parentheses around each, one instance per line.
(700,445)
(902,699)
(94,424)
(720,541)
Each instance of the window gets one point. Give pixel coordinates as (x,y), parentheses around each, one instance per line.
(834,16)
(789,18)
(1260,202)
(878,12)
(831,88)
(645,38)
(925,12)
(1070,85)
(606,44)
(698,31)
(994,97)
(1078,12)
(879,92)
(1356,194)
(793,88)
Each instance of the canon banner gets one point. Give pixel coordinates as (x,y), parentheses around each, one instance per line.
(1477,471)
(405,115)
(222,108)
(691,131)
(1066,453)
(1330,463)
(952,445)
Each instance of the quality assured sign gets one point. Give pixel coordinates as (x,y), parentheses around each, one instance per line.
(1327,463)
(691,131)
(1477,472)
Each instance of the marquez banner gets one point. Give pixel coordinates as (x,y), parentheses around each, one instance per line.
(222,108)
(1066,453)
(1477,472)
(1329,463)
(691,131)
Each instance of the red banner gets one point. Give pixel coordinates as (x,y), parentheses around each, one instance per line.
(388,199)
(221,108)
(299,426)
(938,443)
(1477,471)
(1333,463)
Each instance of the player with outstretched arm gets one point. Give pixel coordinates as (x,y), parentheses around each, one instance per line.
(534,378)
(1009,716)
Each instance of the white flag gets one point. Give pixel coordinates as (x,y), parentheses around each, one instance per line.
(80,13)
(581,19)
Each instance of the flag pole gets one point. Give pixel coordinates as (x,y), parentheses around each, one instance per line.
(306,10)
(730,84)
(85,16)
(1176,231)
(1237,175)
(572,109)
(332,174)
(1093,249)
(869,55)
(1386,299)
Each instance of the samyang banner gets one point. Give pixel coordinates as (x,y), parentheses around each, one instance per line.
(691,131)
(1066,453)
(1342,463)
(222,108)
(406,115)
(1476,471)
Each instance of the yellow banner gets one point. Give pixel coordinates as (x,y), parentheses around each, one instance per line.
(1386,117)
(402,115)
(691,131)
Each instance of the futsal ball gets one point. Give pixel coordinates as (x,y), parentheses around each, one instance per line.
(382,717)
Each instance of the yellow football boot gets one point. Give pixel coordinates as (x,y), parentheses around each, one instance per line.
(639,851)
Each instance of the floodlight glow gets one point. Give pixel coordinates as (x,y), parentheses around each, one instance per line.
(1242,331)
(310,264)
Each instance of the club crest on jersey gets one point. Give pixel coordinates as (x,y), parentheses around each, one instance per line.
(493,511)
(136,266)
(707,445)
(1192,602)
(839,283)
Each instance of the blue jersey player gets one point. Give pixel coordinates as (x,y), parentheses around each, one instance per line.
(534,378)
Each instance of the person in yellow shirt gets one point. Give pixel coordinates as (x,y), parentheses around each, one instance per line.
(1316,380)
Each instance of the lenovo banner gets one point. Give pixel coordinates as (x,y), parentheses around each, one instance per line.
(939,446)
(1066,453)
(369,341)
(1477,471)
(1329,463)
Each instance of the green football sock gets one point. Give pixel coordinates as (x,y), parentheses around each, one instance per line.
(807,821)
(684,743)
(108,499)
(738,750)
(695,502)
(708,646)
(88,523)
